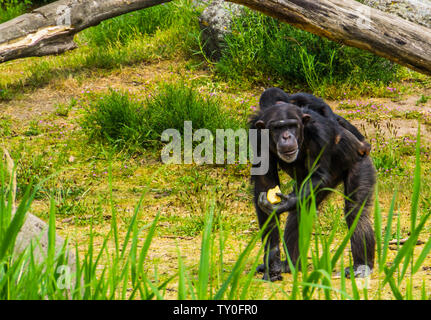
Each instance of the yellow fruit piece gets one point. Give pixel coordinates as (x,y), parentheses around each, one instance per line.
(271,195)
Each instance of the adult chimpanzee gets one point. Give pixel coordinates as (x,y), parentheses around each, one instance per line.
(297,138)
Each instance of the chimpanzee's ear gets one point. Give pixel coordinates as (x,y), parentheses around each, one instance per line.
(305,118)
(260,124)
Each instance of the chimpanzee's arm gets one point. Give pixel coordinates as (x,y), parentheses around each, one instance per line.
(262,183)
(319,179)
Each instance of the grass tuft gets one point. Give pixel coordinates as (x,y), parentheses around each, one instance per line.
(124,122)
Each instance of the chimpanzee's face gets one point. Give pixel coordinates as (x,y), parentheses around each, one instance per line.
(286,127)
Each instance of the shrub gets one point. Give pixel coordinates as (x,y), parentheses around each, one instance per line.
(174,104)
(114,118)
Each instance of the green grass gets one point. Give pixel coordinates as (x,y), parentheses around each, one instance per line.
(125,275)
(156,33)
(127,27)
(10,9)
(423,99)
(178,18)
(5,126)
(63,110)
(264,51)
(190,201)
(126,122)
(260,51)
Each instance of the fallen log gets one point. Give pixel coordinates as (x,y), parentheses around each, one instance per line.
(354,24)
(50,29)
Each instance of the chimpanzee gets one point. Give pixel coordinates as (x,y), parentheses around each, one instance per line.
(273,96)
(297,138)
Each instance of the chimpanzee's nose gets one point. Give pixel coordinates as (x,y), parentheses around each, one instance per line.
(286,136)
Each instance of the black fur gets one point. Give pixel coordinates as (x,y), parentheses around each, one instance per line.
(338,163)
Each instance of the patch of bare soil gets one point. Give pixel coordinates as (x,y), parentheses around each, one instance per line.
(406,103)
(392,126)
(40,102)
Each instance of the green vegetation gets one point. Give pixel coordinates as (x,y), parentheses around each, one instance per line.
(10,9)
(127,27)
(260,50)
(124,275)
(5,127)
(177,20)
(263,50)
(134,124)
(423,99)
(151,34)
(63,110)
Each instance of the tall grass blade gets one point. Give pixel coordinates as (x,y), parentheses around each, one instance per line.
(204,264)
(239,264)
(15,225)
(405,250)
(182,289)
(394,287)
(416,183)
(422,256)
(378,224)
(388,233)
(346,239)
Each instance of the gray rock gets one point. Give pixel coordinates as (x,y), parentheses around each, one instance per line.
(35,231)
(215,22)
(417,11)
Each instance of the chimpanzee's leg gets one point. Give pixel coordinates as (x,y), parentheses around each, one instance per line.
(272,265)
(358,187)
(262,183)
(291,234)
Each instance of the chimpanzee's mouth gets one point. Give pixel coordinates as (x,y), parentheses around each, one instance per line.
(290,153)
(288,156)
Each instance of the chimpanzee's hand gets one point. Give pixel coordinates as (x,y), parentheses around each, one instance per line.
(287,203)
(264,204)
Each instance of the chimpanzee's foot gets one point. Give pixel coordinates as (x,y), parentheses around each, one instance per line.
(365,148)
(273,272)
(284,267)
(361,271)
(260,268)
(272,277)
